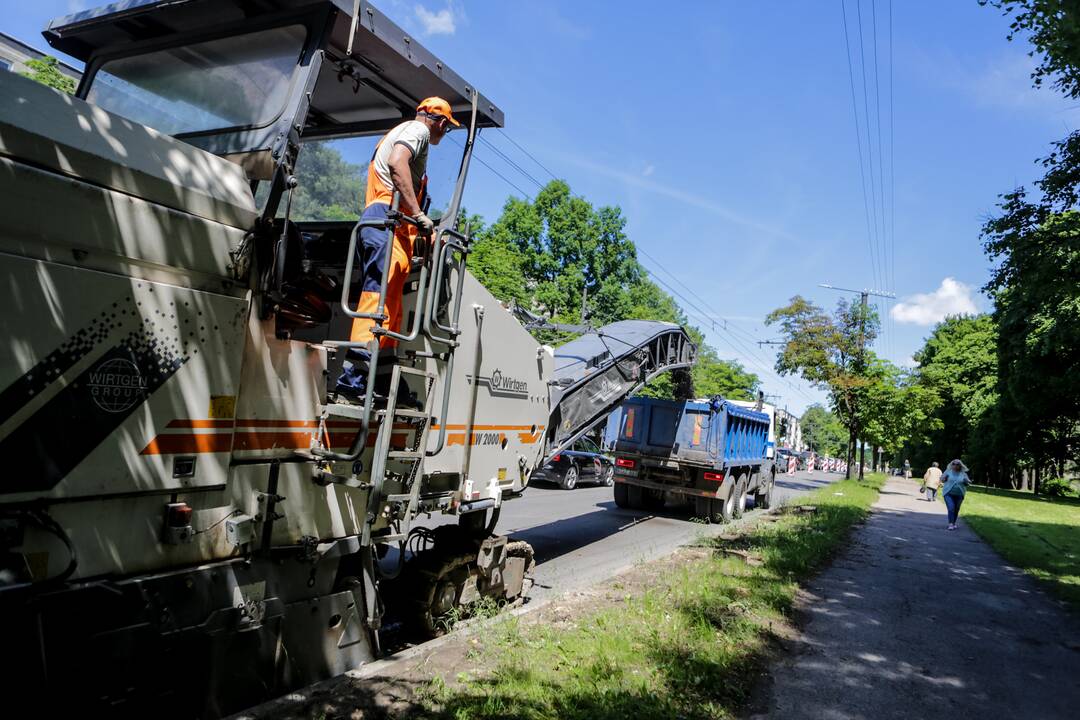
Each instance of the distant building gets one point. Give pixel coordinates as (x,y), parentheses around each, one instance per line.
(788,430)
(14,53)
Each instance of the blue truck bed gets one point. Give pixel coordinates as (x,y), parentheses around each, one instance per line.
(710,434)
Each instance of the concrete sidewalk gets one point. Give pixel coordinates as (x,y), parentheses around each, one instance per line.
(912,621)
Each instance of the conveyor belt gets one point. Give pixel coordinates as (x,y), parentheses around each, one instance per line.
(596,372)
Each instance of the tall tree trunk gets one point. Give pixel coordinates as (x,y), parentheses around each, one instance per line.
(862,459)
(1038,478)
(850,451)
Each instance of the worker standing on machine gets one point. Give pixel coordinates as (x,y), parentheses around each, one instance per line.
(399,164)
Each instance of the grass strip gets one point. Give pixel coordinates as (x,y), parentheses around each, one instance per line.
(1041,536)
(691,646)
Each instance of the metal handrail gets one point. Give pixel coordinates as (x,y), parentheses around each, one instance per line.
(389,223)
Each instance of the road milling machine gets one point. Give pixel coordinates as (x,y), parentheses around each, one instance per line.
(189,521)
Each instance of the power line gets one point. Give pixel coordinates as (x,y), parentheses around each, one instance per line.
(711,322)
(497,173)
(527,153)
(881,170)
(756,359)
(699,312)
(510,162)
(748,354)
(892,170)
(866,126)
(858,138)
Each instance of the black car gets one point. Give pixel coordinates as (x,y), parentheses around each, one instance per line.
(583,462)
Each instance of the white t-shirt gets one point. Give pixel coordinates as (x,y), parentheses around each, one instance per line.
(415,136)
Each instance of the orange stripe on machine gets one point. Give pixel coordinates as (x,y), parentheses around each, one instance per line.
(253,434)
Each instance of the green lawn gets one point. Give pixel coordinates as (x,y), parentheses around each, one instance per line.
(692,646)
(1038,535)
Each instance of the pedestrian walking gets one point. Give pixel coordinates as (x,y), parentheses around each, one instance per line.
(956,482)
(931,481)
(907,469)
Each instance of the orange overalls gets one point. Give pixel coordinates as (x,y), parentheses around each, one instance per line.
(377,202)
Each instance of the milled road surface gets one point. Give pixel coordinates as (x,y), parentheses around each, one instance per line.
(916,622)
(580,537)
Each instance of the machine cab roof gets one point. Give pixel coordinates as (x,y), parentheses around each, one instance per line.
(248,79)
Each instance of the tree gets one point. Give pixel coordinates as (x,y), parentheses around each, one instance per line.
(572,255)
(823,431)
(958,363)
(895,409)
(559,252)
(829,353)
(46,71)
(1036,291)
(328,187)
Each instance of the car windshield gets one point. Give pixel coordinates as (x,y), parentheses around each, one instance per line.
(237,81)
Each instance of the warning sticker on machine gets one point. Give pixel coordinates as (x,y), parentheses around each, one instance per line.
(222,407)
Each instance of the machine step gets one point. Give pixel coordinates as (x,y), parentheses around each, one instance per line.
(356,412)
(421,414)
(405,454)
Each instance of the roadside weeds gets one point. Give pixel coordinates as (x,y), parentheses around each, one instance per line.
(688,637)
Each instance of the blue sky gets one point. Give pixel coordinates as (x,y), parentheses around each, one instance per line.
(726,133)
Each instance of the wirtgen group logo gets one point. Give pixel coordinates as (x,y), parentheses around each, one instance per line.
(116,385)
(500,384)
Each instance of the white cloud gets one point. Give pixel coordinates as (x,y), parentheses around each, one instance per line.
(436,23)
(75,6)
(952,298)
(1002,82)
(649,170)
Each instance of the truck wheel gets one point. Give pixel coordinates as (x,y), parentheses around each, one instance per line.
(636,496)
(622,495)
(727,505)
(653,499)
(569,478)
(763,499)
(740,496)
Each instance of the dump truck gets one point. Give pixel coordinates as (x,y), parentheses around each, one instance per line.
(190,522)
(712,453)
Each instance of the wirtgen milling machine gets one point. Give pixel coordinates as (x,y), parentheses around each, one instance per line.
(185,520)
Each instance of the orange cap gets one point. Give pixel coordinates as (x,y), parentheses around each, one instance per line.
(437,106)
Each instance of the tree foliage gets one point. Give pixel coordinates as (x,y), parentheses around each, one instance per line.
(823,431)
(1036,291)
(559,254)
(896,409)
(46,71)
(328,187)
(958,363)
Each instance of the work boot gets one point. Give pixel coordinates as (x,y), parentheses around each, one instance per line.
(406,398)
(352,383)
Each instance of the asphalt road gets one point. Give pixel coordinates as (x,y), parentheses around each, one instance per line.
(580,537)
